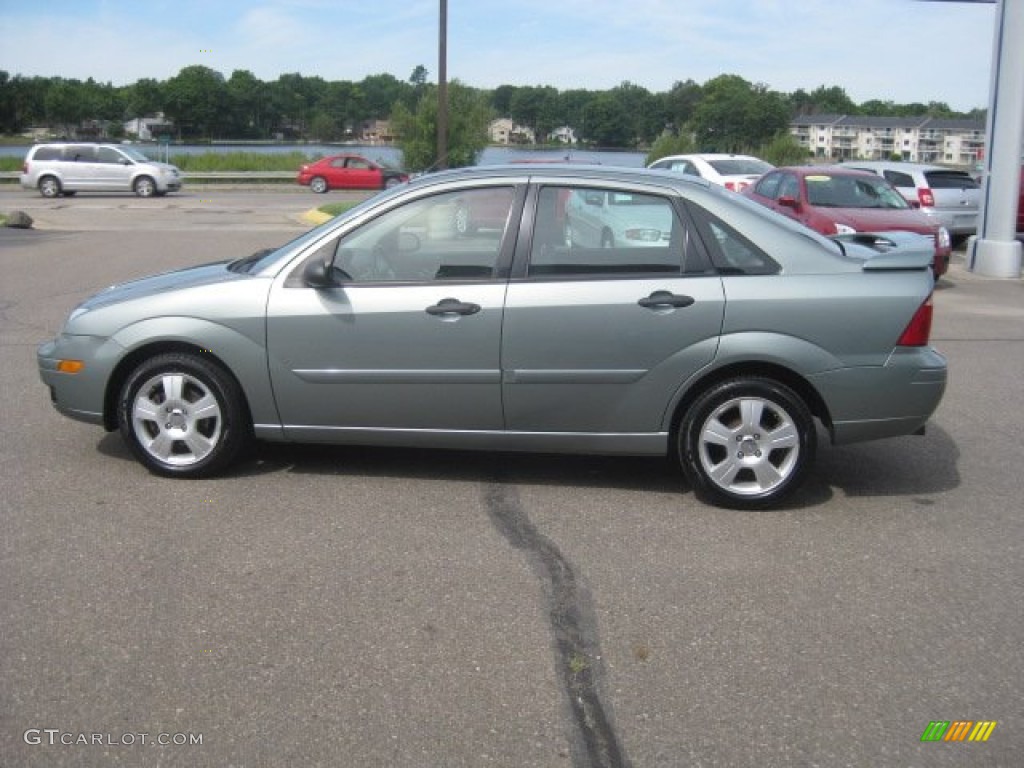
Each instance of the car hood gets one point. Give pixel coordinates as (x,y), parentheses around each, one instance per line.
(880,219)
(191,277)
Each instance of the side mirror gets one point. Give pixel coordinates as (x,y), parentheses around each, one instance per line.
(318,275)
(786,201)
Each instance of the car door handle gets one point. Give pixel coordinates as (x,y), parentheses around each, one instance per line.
(453,307)
(665,299)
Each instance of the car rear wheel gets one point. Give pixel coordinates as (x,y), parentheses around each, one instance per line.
(182,415)
(747,443)
(391,183)
(49,186)
(318,184)
(145,186)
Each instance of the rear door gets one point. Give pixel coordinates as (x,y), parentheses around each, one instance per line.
(598,340)
(78,167)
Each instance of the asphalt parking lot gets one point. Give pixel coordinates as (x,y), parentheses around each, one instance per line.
(355,607)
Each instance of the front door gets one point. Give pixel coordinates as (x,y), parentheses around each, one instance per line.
(408,338)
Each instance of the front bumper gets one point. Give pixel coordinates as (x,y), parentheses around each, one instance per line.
(78,396)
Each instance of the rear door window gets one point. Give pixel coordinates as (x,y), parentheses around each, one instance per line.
(581,231)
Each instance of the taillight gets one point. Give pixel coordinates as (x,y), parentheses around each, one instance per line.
(925,196)
(731,186)
(919,328)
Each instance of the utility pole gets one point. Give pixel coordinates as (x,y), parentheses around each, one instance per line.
(442,89)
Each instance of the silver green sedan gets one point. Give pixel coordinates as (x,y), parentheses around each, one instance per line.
(718,339)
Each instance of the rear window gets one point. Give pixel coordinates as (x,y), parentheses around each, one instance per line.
(48,153)
(950,180)
(737,166)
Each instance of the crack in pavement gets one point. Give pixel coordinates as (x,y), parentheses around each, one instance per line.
(572,627)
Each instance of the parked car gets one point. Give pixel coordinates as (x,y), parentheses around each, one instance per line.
(598,218)
(65,169)
(719,344)
(948,196)
(733,172)
(837,200)
(349,172)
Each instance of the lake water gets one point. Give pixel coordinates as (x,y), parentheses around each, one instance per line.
(386,154)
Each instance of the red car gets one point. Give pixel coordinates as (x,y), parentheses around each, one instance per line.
(349,172)
(833,200)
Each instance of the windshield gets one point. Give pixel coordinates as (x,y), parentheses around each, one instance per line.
(834,191)
(741,166)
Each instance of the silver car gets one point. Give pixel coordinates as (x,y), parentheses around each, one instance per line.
(719,345)
(949,197)
(64,169)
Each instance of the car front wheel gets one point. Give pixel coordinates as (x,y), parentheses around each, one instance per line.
(145,186)
(747,443)
(182,415)
(318,185)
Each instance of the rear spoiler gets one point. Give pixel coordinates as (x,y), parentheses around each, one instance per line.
(889,250)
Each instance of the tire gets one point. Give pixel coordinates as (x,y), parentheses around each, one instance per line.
(391,183)
(182,416)
(144,186)
(318,184)
(49,186)
(747,443)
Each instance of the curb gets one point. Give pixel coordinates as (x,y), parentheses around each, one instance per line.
(315,217)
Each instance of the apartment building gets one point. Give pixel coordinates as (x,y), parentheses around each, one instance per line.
(914,139)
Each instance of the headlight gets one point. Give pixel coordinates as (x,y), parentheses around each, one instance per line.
(842,229)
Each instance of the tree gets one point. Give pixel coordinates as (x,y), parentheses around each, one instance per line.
(607,124)
(733,114)
(145,97)
(681,101)
(536,108)
(670,144)
(468,118)
(831,101)
(195,99)
(249,112)
(783,149)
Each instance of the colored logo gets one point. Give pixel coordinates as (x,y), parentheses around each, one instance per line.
(958,730)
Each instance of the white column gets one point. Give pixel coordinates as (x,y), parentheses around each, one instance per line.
(994,251)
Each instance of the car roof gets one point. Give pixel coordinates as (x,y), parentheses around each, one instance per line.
(607,173)
(897,165)
(707,156)
(831,170)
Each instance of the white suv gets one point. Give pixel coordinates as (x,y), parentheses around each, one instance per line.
(64,169)
(949,197)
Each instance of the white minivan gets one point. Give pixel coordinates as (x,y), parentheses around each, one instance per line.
(64,169)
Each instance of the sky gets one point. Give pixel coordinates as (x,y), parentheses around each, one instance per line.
(893,50)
